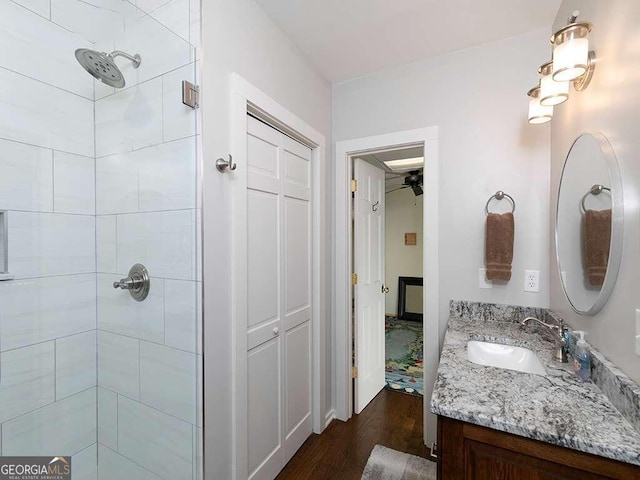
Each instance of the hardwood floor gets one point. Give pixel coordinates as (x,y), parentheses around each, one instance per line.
(392,419)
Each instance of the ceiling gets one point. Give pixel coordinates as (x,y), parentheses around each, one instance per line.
(346,39)
(396,177)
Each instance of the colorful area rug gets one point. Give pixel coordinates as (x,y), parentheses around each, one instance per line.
(403,347)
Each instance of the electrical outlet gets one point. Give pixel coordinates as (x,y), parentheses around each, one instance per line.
(482,279)
(531,280)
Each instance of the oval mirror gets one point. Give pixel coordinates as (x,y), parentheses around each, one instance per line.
(589,223)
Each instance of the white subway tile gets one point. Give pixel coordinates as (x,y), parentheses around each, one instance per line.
(26,177)
(146,37)
(42,309)
(117,182)
(41,7)
(168,380)
(108,418)
(167,176)
(65,427)
(74,184)
(113,466)
(162,241)
(27,379)
(85,463)
(156,441)
(119,313)
(198,457)
(106,242)
(38,114)
(118,365)
(40,49)
(160,177)
(199,161)
(195,25)
(198,253)
(173,14)
(129,120)
(179,119)
(91,20)
(42,244)
(182,314)
(76,367)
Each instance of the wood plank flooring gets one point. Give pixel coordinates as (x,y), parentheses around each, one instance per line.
(392,419)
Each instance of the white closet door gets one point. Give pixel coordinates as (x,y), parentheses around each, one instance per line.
(278,298)
(297,293)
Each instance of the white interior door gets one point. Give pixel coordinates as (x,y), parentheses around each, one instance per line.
(369,289)
(278,298)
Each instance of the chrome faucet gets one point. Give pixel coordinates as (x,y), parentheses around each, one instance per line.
(560,354)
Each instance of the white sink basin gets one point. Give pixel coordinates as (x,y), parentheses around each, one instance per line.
(504,356)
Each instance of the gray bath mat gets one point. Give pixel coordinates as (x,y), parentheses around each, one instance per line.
(387,464)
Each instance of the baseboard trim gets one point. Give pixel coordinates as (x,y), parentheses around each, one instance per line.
(329,417)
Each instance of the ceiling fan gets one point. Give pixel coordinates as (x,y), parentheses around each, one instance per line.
(413,180)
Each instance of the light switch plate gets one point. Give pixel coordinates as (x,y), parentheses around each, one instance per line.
(482,279)
(532,280)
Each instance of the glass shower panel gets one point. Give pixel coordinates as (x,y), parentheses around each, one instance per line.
(94,180)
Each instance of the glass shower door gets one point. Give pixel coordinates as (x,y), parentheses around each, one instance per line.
(95,179)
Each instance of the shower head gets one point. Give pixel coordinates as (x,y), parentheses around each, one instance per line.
(103,67)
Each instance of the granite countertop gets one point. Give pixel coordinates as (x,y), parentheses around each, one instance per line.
(557,408)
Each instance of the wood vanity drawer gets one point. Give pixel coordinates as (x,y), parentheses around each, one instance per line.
(471,452)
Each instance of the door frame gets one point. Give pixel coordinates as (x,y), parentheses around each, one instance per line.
(244,98)
(343,263)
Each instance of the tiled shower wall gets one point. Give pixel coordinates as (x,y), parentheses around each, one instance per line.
(147,210)
(85,370)
(48,313)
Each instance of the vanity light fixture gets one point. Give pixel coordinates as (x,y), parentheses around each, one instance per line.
(551,92)
(573,63)
(572,59)
(538,113)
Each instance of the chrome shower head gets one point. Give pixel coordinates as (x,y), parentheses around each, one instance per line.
(103,67)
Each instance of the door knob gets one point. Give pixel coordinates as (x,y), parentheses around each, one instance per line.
(138,282)
(385,289)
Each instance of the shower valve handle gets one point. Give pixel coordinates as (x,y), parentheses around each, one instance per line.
(137,283)
(127,283)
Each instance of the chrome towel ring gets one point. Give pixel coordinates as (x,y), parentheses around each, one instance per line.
(499,195)
(595,190)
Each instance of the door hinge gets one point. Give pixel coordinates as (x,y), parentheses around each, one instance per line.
(354,372)
(354,279)
(190,94)
(354,185)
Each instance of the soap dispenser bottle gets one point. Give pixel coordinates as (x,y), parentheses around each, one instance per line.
(582,358)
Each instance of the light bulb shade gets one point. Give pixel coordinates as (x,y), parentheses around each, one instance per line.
(538,113)
(551,92)
(570,52)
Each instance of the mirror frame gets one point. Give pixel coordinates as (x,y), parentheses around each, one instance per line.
(402,298)
(617,224)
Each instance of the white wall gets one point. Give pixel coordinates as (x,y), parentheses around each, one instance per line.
(477,98)
(239,37)
(610,105)
(403,214)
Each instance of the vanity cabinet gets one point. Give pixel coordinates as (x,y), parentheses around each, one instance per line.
(472,452)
